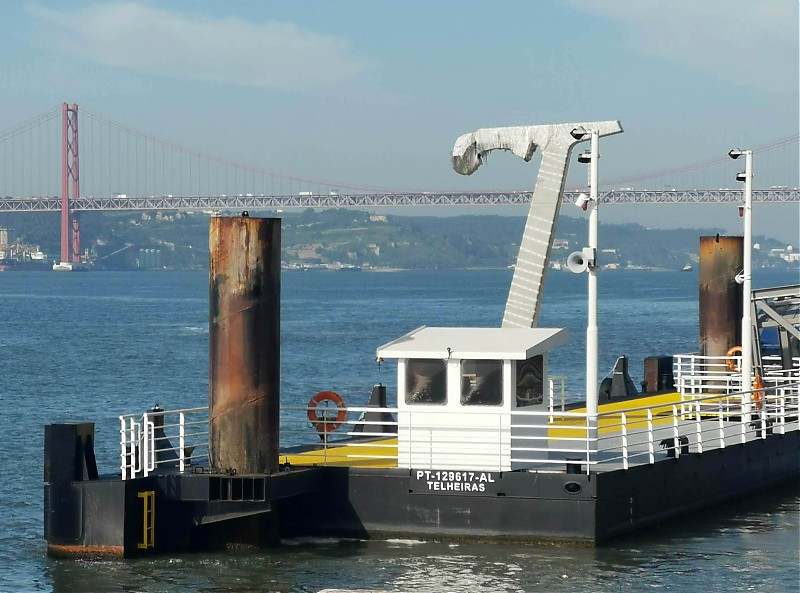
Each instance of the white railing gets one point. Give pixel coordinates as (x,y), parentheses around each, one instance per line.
(162,439)
(557,393)
(545,441)
(570,441)
(699,376)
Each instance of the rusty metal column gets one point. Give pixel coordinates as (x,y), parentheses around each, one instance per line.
(721,259)
(244,343)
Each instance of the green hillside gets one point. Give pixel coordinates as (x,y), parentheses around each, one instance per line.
(332,238)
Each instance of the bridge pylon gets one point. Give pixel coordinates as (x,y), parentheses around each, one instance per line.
(70,180)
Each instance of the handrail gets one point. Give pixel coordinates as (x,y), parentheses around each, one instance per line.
(523,439)
(148,441)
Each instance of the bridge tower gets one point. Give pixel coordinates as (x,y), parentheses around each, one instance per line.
(70,176)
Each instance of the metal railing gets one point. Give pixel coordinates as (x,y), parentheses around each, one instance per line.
(556,393)
(545,441)
(162,439)
(699,376)
(570,440)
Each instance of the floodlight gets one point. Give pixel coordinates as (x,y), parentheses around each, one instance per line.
(735,153)
(579,133)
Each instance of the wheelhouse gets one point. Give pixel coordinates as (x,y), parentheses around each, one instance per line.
(454,383)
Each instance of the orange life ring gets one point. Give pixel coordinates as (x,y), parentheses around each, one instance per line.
(758,392)
(730,360)
(321,421)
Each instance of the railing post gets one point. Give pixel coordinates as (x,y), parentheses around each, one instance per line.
(145,444)
(123,466)
(699,427)
(551,398)
(675,433)
(153,447)
(624,418)
(721,427)
(589,433)
(182,440)
(650,446)
(324,440)
(782,410)
(136,464)
(743,417)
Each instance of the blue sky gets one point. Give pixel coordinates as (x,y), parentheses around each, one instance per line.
(375,93)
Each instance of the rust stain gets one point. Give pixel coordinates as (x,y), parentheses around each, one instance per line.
(244,342)
(72,551)
(721,259)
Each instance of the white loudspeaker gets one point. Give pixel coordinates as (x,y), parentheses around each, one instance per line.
(577,263)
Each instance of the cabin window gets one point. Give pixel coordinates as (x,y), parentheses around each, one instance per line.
(426,381)
(530,381)
(481,382)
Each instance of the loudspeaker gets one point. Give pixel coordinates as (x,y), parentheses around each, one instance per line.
(577,263)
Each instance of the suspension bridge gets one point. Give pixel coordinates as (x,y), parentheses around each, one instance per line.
(121,168)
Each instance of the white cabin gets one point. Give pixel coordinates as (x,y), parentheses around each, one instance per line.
(457,388)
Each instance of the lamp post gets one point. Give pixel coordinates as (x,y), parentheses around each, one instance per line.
(591,327)
(746,279)
(589,261)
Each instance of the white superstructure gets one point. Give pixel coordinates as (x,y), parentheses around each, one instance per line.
(454,382)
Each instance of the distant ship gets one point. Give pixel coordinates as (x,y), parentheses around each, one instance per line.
(21,265)
(69,267)
(687,268)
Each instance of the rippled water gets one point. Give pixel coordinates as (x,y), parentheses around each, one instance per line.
(92,346)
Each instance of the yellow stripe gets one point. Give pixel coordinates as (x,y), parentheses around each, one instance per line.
(369,454)
(349,455)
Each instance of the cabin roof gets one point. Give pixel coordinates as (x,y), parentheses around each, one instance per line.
(481,343)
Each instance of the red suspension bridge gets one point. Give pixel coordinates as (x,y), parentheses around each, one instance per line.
(126,169)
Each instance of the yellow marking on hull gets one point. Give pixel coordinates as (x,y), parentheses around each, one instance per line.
(364,454)
(660,405)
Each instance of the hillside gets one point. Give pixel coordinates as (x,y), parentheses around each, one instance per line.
(175,240)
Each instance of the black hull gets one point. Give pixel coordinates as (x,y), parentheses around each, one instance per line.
(204,512)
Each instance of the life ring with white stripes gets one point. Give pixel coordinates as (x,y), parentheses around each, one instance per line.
(320,418)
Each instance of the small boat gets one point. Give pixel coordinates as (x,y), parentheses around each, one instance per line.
(62,266)
(687,268)
(69,267)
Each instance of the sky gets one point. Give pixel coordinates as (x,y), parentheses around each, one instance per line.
(375,93)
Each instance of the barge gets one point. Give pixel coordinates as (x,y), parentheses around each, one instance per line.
(481,442)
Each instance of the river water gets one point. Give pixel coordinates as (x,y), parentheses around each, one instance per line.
(88,347)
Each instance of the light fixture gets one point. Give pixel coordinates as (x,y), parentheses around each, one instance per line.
(582,202)
(585,157)
(745,278)
(579,133)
